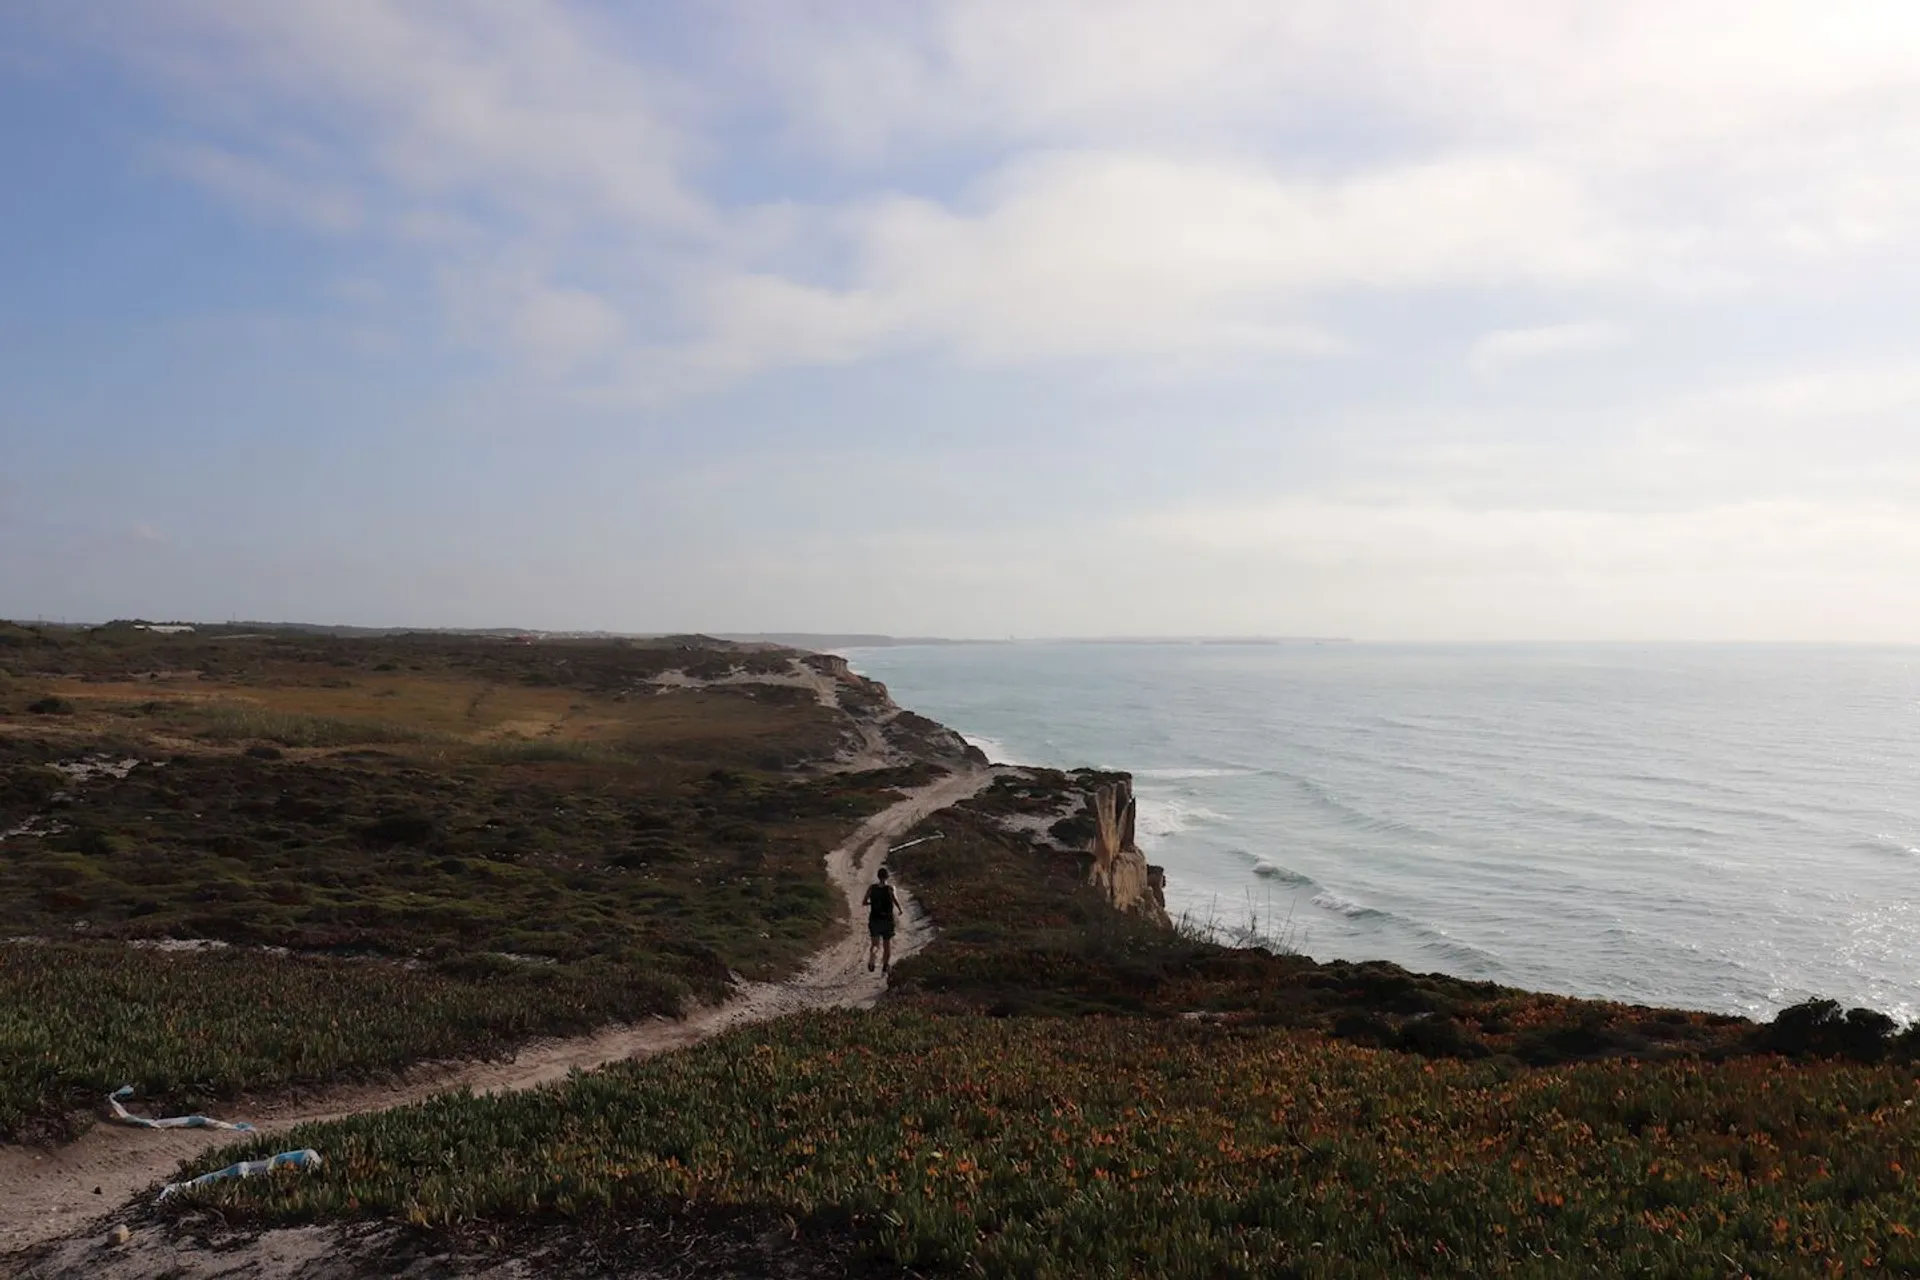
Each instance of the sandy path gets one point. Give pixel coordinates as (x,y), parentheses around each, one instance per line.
(49,1193)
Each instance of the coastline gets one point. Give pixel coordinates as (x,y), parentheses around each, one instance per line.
(1007,1058)
(1513,859)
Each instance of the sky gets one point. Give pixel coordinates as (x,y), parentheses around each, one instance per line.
(1491,320)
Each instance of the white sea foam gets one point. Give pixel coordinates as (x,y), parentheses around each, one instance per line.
(1179,775)
(1340,904)
(1159,817)
(1269,870)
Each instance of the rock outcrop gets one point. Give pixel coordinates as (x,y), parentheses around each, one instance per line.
(1120,870)
(887,729)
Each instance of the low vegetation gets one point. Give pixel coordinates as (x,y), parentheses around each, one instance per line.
(373,854)
(192,1029)
(1100,1146)
(481,840)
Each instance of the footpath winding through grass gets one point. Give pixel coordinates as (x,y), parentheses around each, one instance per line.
(456,890)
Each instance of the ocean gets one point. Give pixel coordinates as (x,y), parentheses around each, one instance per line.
(1731,828)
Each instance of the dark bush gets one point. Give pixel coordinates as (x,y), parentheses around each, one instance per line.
(50,706)
(266,753)
(642,818)
(1583,1041)
(86,839)
(1073,832)
(413,829)
(1819,1029)
(1439,1037)
(1366,1029)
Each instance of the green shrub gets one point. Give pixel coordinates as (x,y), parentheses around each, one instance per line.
(1819,1028)
(239,724)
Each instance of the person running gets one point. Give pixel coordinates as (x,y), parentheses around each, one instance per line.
(882,904)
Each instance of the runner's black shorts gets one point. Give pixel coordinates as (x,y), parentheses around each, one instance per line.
(880,926)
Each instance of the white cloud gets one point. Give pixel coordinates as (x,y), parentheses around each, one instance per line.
(1627,81)
(1054,180)
(269,191)
(1819,398)
(1101,193)
(1327,566)
(534,110)
(1502,349)
(1084,253)
(552,328)
(559,327)
(755,320)
(1429,538)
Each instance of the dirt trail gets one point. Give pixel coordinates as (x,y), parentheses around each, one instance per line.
(45,1194)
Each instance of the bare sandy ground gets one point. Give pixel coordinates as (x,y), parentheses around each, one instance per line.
(74,1193)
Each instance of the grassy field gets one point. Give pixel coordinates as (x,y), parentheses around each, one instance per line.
(550,839)
(1041,1146)
(77,1020)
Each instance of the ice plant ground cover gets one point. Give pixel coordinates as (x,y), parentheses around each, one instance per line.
(79,1020)
(1041,1146)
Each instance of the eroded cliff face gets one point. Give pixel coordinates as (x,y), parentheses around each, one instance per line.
(1120,869)
(889,734)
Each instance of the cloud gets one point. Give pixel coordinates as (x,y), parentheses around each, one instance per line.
(1084,253)
(1502,349)
(1818,398)
(535,112)
(1423,537)
(519,311)
(1412,569)
(559,328)
(1627,83)
(1052,181)
(268,191)
(754,320)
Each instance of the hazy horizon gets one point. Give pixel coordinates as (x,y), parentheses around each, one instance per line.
(1503,322)
(850,639)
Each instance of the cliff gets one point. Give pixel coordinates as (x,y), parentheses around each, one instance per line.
(887,733)
(1120,869)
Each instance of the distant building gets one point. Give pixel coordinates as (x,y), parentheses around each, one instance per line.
(164,628)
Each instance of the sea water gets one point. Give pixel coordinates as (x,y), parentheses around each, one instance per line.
(1730,828)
